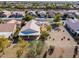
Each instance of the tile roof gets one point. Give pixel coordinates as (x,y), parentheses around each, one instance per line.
(73,24)
(31,25)
(8,27)
(31,28)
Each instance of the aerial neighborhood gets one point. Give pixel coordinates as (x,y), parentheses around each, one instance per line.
(39,29)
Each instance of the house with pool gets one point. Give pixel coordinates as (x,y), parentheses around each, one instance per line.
(30,31)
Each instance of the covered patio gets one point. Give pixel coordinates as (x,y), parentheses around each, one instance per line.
(30,31)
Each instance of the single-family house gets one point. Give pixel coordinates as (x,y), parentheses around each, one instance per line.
(31,29)
(42,14)
(50,13)
(73,26)
(16,15)
(7,29)
(6,12)
(32,13)
(41,21)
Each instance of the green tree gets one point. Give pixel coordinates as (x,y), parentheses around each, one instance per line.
(4,42)
(49,28)
(57,17)
(44,35)
(22,23)
(27,17)
(20,5)
(66,5)
(46,4)
(53,6)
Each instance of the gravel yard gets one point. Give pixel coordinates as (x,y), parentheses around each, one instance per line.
(62,41)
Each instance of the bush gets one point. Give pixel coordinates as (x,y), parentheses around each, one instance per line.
(22,43)
(35,49)
(44,35)
(31,54)
(49,28)
(27,17)
(57,17)
(19,52)
(4,43)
